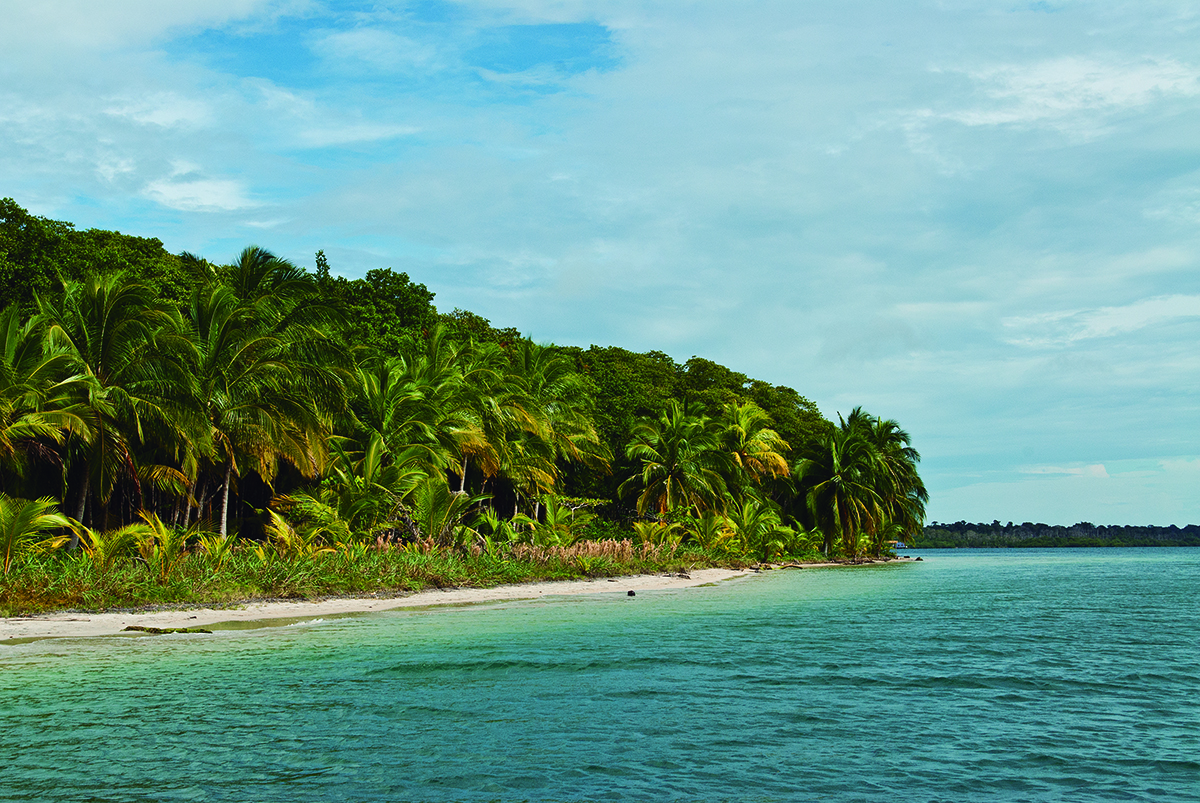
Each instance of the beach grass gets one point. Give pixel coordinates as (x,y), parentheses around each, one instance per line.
(58,580)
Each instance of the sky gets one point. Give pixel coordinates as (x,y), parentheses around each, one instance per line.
(981,219)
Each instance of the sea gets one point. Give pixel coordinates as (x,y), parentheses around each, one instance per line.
(972,675)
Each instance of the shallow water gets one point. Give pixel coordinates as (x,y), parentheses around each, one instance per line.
(973,676)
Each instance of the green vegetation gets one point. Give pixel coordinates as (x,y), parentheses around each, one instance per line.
(1029,534)
(194,432)
(45,580)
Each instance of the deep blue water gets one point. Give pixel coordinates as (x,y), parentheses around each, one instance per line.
(975,675)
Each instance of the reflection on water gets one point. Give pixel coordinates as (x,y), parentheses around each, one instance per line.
(1015,675)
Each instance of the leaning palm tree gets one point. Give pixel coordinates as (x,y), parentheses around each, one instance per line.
(901,490)
(902,494)
(682,462)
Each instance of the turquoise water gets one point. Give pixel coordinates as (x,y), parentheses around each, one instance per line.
(972,676)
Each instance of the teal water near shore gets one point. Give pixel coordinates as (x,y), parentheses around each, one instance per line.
(975,675)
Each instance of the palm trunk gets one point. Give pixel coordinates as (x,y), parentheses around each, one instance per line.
(201,501)
(462,478)
(187,511)
(80,508)
(225,497)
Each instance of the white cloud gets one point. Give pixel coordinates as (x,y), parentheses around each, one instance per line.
(349,133)
(1065,327)
(109,168)
(1057,90)
(163,109)
(186,193)
(311,124)
(378,48)
(1181,205)
(47,26)
(1096,470)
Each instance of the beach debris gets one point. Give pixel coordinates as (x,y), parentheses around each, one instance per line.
(161,631)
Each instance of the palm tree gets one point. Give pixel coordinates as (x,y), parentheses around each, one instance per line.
(450,382)
(756,449)
(760,527)
(528,466)
(24,523)
(364,490)
(39,395)
(277,287)
(438,513)
(559,404)
(265,380)
(838,475)
(901,492)
(387,404)
(128,346)
(682,461)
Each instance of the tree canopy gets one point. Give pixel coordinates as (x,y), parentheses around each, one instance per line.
(273,401)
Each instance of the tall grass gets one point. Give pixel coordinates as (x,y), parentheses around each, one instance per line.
(213,574)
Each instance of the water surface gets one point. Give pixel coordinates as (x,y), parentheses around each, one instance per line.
(975,675)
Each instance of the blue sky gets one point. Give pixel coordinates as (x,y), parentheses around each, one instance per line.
(981,219)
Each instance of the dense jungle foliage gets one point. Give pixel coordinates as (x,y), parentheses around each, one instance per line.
(153,401)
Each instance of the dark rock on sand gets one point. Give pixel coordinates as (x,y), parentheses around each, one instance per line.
(159,631)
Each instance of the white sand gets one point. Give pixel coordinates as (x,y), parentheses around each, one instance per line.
(87,625)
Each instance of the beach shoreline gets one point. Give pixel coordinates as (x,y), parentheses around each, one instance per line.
(76,624)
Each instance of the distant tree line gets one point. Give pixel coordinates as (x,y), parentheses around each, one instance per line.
(1029,534)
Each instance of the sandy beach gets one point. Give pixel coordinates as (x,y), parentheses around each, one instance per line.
(71,624)
(75,624)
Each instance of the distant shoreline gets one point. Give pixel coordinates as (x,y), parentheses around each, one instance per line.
(943,547)
(959,534)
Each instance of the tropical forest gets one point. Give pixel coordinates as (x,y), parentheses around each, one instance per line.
(175,430)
